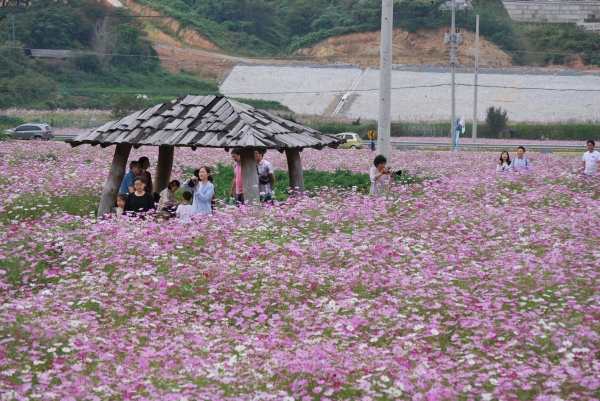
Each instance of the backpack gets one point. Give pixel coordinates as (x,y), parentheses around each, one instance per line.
(262,179)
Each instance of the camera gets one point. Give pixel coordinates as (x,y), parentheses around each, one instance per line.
(396,171)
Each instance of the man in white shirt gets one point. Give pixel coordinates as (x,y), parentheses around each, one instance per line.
(591,159)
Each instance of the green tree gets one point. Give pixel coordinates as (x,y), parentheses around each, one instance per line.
(30,87)
(301,15)
(495,120)
(125,104)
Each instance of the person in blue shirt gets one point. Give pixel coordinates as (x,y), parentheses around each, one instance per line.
(203,190)
(520,163)
(135,169)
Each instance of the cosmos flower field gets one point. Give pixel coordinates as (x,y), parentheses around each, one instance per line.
(471,285)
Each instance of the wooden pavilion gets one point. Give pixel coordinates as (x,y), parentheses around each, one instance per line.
(202,121)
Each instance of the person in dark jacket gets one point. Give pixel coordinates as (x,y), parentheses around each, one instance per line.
(140,201)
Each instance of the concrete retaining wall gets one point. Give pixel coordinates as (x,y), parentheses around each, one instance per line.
(518,93)
(554,11)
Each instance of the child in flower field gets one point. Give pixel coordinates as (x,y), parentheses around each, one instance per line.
(139,201)
(121,198)
(184,210)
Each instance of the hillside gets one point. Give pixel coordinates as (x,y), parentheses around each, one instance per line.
(109,57)
(283,28)
(425,46)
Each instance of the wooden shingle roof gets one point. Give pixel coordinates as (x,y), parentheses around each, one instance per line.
(206,121)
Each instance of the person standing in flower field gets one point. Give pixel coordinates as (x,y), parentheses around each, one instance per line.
(591,159)
(237,186)
(380,176)
(202,189)
(520,162)
(139,201)
(266,176)
(127,183)
(504,162)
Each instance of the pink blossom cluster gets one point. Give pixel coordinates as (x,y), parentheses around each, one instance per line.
(473,285)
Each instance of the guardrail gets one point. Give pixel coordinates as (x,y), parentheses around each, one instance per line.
(543,148)
(64,136)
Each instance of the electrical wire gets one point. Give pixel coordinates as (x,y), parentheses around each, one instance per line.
(340,92)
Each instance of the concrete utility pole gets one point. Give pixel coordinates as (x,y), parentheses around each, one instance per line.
(453,38)
(385,78)
(453,67)
(475,83)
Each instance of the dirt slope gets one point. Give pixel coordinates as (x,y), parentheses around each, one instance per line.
(426,46)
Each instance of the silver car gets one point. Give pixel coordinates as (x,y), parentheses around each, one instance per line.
(32,131)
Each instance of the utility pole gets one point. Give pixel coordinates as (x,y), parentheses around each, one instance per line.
(453,67)
(453,38)
(385,78)
(475,83)
(13,26)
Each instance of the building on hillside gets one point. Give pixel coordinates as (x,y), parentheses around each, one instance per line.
(4,3)
(44,53)
(585,13)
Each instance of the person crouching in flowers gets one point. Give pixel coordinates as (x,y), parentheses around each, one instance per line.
(167,201)
(381,177)
(139,201)
(202,189)
(504,162)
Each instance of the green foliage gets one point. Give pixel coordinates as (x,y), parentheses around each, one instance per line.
(29,87)
(87,63)
(313,181)
(264,104)
(495,120)
(10,121)
(126,104)
(37,83)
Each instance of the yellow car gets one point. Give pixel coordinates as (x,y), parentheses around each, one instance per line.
(353,141)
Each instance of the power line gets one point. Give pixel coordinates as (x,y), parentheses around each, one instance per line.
(163,92)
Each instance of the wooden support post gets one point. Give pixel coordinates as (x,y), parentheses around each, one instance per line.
(163,167)
(250,177)
(295,170)
(113,182)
